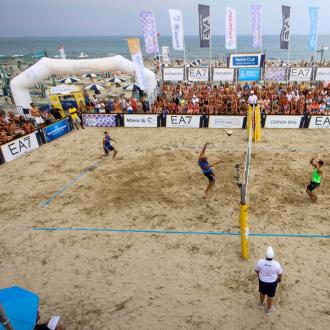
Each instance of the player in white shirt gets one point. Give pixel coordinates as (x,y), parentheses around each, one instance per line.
(269,274)
(253,99)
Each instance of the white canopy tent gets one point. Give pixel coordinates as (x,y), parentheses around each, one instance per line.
(38,72)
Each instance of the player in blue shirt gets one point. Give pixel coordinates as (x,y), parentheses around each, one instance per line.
(207,169)
(107,147)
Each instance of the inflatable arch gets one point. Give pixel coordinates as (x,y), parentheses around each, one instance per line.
(38,72)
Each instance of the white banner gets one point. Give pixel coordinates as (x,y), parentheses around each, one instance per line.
(183,121)
(223,74)
(148,24)
(177,29)
(323,74)
(64,89)
(300,74)
(283,121)
(198,74)
(166,55)
(140,120)
(19,147)
(173,74)
(319,122)
(230,29)
(226,121)
(135,50)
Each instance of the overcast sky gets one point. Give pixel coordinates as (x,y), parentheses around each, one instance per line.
(120,17)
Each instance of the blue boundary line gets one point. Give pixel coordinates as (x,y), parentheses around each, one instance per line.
(71,183)
(155,231)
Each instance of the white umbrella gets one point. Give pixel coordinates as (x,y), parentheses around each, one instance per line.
(69,80)
(89,75)
(116,80)
(132,87)
(94,87)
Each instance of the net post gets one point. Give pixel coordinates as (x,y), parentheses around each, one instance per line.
(244,230)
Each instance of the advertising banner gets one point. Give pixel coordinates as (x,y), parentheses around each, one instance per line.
(300,74)
(256,26)
(56,130)
(319,122)
(140,120)
(323,74)
(183,121)
(166,55)
(230,28)
(204,26)
(173,74)
(177,29)
(285,32)
(312,38)
(226,121)
(223,74)
(19,147)
(249,74)
(283,121)
(148,24)
(62,53)
(245,60)
(134,48)
(63,89)
(198,74)
(275,74)
(99,120)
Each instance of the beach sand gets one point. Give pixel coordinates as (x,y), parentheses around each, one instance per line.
(106,280)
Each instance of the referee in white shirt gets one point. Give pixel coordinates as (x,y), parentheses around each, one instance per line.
(269,274)
(253,99)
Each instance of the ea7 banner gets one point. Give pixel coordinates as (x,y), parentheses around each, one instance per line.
(256,26)
(312,40)
(173,74)
(183,121)
(204,26)
(198,74)
(319,122)
(177,29)
(285,32)
(223,74)
(300,74)
(134,48)
(19,147)
(230,28)
(148,24)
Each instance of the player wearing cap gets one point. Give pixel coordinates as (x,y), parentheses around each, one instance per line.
(316,177)
(207,169)
(269,274)
(253,99)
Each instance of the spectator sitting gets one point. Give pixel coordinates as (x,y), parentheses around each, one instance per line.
(35,112)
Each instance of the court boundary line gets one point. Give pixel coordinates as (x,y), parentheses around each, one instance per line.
(57,193)
(175,232)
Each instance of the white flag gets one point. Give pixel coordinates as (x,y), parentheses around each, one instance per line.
(177,28)
(231,42)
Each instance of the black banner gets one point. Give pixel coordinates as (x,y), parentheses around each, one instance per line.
(285,32)
(204,26)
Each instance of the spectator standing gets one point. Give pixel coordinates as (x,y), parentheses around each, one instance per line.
(269,274)
(74,116)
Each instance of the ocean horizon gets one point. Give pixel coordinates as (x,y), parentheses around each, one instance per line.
(101,46)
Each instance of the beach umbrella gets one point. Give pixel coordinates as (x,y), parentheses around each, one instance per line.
(20,306)
(116,80)
(94,87)
(89,75)
(132,87)
(69,80)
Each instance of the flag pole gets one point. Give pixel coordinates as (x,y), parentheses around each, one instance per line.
(288,66)
(210,44)
(315,47)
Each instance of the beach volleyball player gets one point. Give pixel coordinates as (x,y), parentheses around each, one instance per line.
(207,169)
(107,146)
(316,177)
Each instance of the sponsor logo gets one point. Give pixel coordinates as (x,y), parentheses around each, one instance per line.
(283,121)
(186,121)
(320,122)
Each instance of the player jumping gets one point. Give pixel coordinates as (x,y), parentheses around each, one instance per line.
(107,147)
(316,177)
(207,169)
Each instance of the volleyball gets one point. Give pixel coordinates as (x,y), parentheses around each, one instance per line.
(229,132)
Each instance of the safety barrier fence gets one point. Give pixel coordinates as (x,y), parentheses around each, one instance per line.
(25,144)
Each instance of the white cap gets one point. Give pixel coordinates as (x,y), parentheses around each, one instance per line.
(269,253)
(252,92)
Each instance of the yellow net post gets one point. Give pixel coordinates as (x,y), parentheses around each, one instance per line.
(243,222)
(254,119)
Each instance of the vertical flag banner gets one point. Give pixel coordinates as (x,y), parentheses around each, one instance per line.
(312,40)
(166,55)
(61,50)
(148,24)
(134,48)
(285,32)
(177,28)
(230,28)
(256,26)
(204,26)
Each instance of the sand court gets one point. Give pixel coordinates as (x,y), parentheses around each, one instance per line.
(118,280)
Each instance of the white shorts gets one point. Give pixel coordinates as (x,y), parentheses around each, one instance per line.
(39,120)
